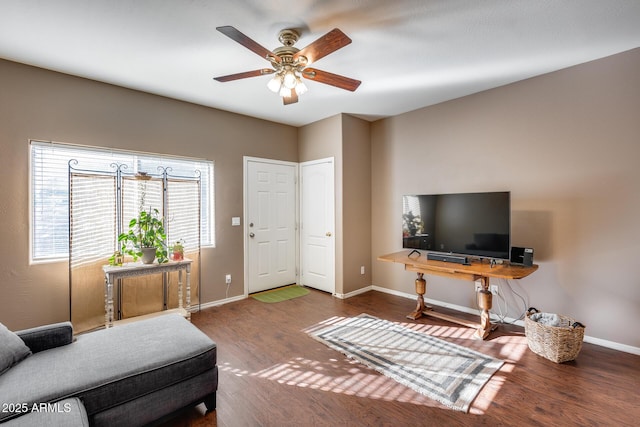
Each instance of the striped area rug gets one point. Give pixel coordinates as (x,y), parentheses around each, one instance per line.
(448,373)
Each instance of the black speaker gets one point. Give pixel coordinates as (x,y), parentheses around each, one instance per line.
(521,256)
(448,258)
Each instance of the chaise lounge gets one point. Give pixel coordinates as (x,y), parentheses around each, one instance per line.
(129,375)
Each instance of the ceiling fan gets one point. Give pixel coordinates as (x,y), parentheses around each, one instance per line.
(290,64)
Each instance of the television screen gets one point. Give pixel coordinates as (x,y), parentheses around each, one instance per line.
(476,224)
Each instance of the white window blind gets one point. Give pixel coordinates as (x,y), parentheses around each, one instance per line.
(93,219)
(49,169)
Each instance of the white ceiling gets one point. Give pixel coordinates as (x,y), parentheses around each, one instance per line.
(407,53)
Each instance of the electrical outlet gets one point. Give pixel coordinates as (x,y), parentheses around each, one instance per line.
(493,289)
(227,279)
(362,269)
(478,287)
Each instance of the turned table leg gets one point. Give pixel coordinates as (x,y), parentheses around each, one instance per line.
(108,305)
(179,288)
(189,292)
(421,288)
(484,301)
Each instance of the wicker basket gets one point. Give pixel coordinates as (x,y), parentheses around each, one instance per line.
(556,343)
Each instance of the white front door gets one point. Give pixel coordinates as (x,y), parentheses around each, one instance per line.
(317,223)
(270,224)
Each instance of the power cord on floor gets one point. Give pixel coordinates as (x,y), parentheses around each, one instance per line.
(502,316)
(524,302)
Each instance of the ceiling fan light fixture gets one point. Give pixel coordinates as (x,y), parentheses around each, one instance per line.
(301,87)
(290,63)
(275,83)
(289,80)
(285,92)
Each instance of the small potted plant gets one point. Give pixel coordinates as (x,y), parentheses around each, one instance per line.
(146,238)
(117,259)
(177,251)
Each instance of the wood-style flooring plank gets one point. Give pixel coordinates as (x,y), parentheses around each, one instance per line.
(273,374)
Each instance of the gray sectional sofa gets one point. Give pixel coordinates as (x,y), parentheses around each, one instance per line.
(129,375)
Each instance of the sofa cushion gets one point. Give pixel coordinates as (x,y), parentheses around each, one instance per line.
(46,337)
(108,367)
(12,349)
(66,413)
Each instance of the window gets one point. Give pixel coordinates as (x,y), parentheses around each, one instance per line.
(49,172)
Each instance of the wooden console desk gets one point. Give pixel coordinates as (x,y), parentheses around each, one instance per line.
(477,270)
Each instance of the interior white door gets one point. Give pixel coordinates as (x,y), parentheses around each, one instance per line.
(270,224)
(317,225)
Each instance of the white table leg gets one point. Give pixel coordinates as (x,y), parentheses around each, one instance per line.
(108,317)
(179,288)
(189,292)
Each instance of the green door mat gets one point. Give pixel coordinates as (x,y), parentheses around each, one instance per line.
(280,294)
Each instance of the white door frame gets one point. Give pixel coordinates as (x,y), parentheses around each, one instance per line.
(245,226)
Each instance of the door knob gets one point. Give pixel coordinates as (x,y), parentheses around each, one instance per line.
(252,235)
(328,234)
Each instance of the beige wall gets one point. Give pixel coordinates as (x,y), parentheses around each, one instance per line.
(348,140)
(39,104)
(567,146)
(356,212)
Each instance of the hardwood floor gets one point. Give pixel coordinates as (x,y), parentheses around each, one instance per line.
(273,374)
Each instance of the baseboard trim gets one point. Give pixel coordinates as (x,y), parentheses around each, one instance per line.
(353,293)
(591,340)
(221,302)
(613,345)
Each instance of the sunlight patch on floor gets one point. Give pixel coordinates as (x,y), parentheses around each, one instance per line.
(332,376)
(235,371)
(512,346)
(354,379)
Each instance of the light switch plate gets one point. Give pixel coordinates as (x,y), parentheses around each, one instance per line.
(235,220)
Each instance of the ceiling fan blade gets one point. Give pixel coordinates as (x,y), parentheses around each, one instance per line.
(330,42)
(246,74)
(331,79)
(286,100)
(250,44)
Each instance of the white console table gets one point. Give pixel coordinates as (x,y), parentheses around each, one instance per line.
(133,269)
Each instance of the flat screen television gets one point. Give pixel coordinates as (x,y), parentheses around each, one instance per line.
(474,224)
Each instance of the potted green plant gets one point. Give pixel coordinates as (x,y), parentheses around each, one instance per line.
(146,238)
